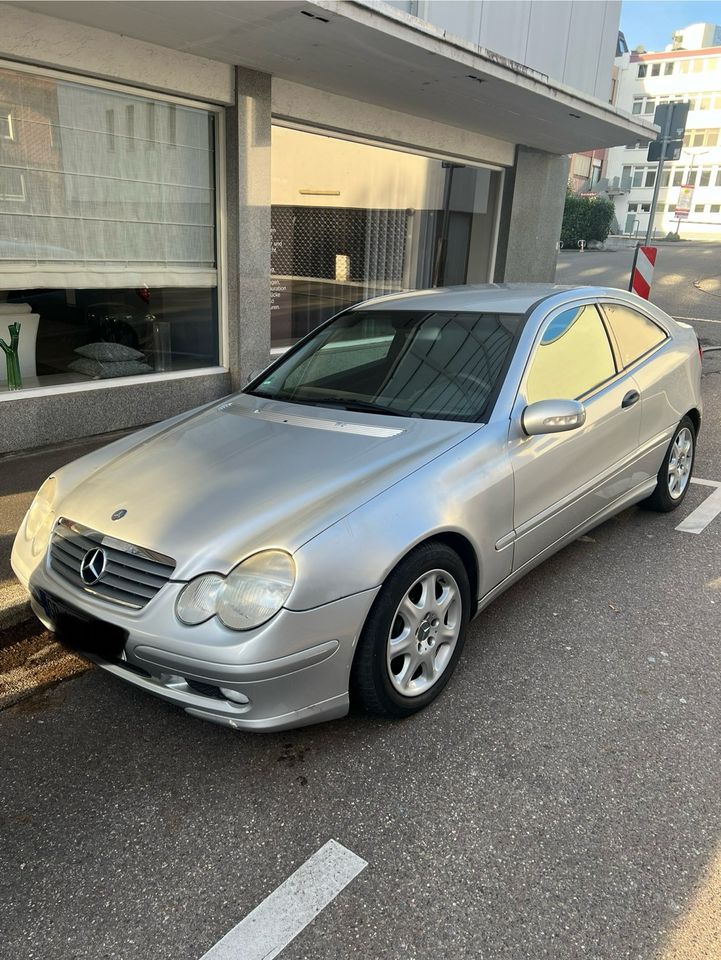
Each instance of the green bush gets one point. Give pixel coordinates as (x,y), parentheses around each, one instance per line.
(585,218)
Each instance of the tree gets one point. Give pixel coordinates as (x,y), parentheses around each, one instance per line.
(585,218)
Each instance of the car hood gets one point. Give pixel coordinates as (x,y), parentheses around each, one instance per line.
(247,474)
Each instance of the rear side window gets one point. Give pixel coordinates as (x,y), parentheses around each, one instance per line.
(573,357)
(634,333)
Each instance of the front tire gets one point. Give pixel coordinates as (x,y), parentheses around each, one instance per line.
(674,477)
(414,633)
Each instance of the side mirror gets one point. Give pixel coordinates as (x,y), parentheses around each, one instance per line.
(552,416)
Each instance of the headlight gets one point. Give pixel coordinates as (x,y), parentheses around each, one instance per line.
(39,519)
(251,594)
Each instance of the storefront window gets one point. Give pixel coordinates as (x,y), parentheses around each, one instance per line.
(352,221)
(108,240)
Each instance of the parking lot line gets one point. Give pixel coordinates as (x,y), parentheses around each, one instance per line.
(701,517)
(291,907)
(697,319)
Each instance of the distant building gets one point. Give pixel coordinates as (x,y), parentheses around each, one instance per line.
(646,80)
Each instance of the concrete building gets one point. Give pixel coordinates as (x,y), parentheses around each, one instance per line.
(646,80)
(186,186)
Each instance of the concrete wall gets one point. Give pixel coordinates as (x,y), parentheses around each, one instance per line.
(50,42)
(531,215)
(572,41)
(27,422)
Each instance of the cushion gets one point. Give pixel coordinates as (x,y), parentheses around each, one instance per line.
(98,370)
(109,351)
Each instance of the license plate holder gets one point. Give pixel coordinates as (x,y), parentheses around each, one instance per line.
(80,631)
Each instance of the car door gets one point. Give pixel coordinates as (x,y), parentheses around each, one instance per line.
(563,479)
(645,348)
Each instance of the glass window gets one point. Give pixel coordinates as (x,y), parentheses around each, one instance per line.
(634,333)
(705,103)
(668,69)
(718,177)
(645,207)
(660,207)
(638,178)
(655,69)
(649,106)
(626,175)
(650,178)
(677,178)
(437,365)
(711,138)
(697,138)
(684,66)
(641,70)
(705,178)
(691,103)
(698,208)
(672,208)
(573,357)
(637,104)
(697,66)
(109,251)
(715,208)
(665,178)
(633,207)
(691,175)
(352,221)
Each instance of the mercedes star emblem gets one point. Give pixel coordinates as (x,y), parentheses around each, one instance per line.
(92,566)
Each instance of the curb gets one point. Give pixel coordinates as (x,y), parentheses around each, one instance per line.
(12,614)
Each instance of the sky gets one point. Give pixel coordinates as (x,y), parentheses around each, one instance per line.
(651,22)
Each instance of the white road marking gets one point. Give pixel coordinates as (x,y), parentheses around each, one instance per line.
(291,907)
(701,517)
(696,320)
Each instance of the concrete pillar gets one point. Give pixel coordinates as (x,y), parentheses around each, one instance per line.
(531,215)
(248,225)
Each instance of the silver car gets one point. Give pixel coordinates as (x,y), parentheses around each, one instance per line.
(324,536)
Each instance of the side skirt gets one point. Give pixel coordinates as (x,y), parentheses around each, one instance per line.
(637,494)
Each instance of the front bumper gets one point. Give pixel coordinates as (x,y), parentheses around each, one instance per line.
(290,672)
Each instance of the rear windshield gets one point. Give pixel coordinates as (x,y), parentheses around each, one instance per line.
(439,365)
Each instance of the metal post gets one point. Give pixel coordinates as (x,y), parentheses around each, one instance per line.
(659,171)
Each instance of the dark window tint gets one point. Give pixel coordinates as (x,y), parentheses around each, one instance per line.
(573,357)
(413,363)
(634,333)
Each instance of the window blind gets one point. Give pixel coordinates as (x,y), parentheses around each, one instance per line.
(103,189)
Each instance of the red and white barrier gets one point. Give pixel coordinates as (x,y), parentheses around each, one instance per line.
(642,271)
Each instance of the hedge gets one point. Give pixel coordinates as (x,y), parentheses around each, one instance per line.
(585,218)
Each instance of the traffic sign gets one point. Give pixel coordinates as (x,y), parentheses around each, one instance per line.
(679,114)
(655,150)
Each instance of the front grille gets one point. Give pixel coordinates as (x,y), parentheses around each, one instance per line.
(132,574)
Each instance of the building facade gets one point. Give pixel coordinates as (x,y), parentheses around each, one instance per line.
(646,80)
(188,187)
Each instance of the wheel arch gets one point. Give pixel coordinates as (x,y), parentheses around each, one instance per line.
(694,416)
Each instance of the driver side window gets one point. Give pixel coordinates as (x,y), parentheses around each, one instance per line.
(573,356)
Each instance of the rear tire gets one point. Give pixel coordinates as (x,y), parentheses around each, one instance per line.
(674,477)
(414,633)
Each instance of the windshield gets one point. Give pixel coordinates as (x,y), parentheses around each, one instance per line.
(440,365)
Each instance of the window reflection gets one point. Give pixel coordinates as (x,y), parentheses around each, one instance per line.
(352,221)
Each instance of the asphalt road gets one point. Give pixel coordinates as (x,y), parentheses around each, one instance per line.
(560,800)
(687,279)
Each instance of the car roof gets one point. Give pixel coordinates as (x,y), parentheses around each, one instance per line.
(488,297)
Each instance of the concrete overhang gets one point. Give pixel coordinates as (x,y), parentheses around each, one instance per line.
(373,53)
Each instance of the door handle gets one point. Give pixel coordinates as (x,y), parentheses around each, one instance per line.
(633,396)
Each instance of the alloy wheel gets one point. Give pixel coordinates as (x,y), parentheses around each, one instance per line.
(424,633)
(680,463)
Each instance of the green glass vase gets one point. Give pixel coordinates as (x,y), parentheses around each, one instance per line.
(15,380)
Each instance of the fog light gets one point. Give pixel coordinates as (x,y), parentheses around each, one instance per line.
(234,695)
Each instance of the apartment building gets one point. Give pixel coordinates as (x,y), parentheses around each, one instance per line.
(646,80)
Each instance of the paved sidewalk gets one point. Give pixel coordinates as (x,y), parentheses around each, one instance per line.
(20,477)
